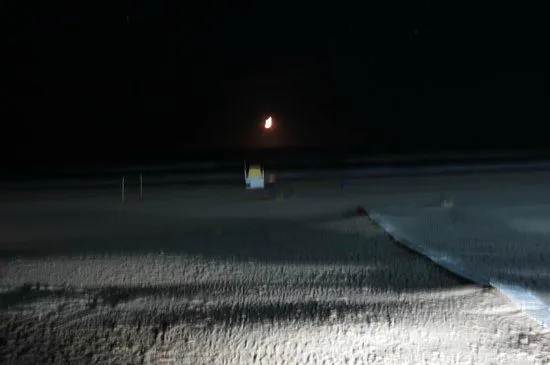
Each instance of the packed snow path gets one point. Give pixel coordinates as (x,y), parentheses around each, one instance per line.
(493,228)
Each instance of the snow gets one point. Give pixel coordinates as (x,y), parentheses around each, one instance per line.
(215,276)
(495,232)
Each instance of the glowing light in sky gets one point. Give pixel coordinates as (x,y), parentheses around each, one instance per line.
(268,123)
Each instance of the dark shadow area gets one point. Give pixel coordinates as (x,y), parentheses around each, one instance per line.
(383,278)
(374,261)
(33,292)
(259,239)
(271,312)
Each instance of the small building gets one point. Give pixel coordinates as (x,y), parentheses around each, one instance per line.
(254,176)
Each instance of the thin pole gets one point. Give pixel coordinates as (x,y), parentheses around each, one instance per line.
(123,192)
(141,186)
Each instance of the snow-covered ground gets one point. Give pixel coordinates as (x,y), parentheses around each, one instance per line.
(216,276)
(494,228)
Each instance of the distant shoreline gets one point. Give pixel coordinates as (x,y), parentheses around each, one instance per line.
(286,167)
(277,160)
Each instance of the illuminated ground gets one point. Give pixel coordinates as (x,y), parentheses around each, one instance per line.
(493,227)
(212,276)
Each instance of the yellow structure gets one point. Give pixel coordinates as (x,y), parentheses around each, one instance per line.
(254,176)
(255,172)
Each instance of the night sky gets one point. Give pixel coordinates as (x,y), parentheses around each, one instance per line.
(85,80)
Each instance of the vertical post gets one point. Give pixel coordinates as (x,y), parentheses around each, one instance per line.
(123,187)
(140,186)
(245,180)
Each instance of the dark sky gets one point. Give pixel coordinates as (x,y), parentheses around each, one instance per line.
(86,79)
